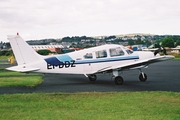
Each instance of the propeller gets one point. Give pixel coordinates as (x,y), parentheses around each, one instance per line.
(160,50)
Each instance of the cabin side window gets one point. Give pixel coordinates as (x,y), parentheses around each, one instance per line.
(101,54)
(116,52)
(88,56)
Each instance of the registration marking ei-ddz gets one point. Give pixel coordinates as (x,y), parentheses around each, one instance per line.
(65,64)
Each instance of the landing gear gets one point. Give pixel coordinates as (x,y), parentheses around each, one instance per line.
(92,77)
(118,80)
(142,77)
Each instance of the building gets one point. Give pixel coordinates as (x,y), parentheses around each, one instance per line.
(138,47)
(176,50)
(52,48)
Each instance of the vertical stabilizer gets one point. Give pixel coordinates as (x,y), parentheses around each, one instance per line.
(23,52)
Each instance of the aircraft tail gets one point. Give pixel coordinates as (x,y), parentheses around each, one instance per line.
(24,54)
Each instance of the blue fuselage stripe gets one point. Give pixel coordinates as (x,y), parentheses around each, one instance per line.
(105,60)
(61,60)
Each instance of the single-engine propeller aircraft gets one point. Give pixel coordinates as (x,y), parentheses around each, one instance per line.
(109,58)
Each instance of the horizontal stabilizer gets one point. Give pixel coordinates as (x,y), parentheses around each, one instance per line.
(22,69)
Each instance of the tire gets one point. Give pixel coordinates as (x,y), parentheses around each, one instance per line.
(141,78)
(92,77)
(118,80)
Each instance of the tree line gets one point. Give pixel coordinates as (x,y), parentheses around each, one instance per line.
(76,41)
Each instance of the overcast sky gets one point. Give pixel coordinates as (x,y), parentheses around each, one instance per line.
(39,19)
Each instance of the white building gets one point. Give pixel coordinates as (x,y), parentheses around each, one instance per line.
(52,48)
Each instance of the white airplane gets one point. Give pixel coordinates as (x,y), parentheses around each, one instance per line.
(109,58)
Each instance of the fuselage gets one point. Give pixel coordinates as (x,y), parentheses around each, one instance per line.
(91,60)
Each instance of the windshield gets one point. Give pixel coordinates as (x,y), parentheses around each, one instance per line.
(128,50)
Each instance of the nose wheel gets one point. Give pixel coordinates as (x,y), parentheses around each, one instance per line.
(142,77)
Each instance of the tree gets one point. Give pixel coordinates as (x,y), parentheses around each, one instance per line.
(138,41)
(130,42)
(147,43)
(157,44)
(43,52)
(178,42)
(66,39)
(168,42)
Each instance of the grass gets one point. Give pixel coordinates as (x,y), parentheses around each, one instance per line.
(4,57)
(4,60)
(176,55)
(177,59)
(9,79)
(88,106)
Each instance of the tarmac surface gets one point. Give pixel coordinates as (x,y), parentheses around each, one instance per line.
(162,76)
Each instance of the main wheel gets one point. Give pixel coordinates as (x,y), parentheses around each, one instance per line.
(118,80)
(92,77)
(142,77)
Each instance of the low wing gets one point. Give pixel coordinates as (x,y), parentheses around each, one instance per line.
(22,69)
(137,64)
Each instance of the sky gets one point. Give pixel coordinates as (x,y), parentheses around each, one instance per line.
(40,19)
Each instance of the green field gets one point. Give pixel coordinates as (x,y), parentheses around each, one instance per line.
(91,106)
(177,56)
(9,78)
(4,57)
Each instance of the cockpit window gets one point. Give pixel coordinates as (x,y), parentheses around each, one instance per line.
(116,52)
(88,56)
(128,51)
(101,54)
